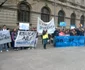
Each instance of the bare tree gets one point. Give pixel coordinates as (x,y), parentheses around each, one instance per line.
(4,1)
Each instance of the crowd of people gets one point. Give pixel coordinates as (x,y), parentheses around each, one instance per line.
(60,32)
(69,32)
(45,36)
(13,34)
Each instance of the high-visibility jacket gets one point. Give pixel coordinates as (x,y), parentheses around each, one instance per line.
(45,36)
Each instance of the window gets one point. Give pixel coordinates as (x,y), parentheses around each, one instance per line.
(61,16)
(23,12)
(73,19)
(45,14)
(82,20)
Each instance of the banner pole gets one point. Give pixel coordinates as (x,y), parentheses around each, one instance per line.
(54,11)
(84,33)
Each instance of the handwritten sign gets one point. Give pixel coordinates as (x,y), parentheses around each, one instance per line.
(49,26)
(25,38)
(5,37)
(24,26)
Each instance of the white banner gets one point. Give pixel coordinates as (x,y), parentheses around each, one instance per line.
(25,39)
(49,26)
(24,26)
(5,37)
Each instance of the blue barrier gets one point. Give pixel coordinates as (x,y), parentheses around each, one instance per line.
(66,41)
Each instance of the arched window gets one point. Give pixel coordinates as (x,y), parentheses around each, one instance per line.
(61,16)
(45,14)
(23,12)
(82,20)
(73,19)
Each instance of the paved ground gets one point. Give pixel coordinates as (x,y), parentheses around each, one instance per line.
(40,59)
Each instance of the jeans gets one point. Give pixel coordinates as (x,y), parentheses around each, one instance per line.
(44,43)
(36,41)
(3,45)
(13,45)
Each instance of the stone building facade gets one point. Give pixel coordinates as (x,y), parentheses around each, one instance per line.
(70,11)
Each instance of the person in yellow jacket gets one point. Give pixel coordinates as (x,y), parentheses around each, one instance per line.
(45,38)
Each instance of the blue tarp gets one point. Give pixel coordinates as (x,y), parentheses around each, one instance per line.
(66,41)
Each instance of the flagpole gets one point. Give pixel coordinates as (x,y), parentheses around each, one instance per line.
(54,11)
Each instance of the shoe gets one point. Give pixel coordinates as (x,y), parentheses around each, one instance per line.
(0,51)
(44,47)
(7,50)
(16,49)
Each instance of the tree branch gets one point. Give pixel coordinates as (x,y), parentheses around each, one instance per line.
(3,3)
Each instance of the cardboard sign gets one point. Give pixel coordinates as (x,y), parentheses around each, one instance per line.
(24,26)
(25,38)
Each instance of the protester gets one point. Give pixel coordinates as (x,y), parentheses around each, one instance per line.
(56,33)
(8,44)
(1,45)
(4,45)
(14,35)
(67,33)
(36,41)
(44,38)
(73,32)
(81,32)
(61,33)
(77,31)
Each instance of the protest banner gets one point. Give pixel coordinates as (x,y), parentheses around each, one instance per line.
(25,39)
(49,26)
(5,37)
(66,41)
(24,26)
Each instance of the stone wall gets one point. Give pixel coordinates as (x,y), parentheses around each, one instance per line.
(8,13)
(8,17)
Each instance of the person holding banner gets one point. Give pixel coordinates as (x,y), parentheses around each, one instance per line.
(36,40)
(14,35)
(44,38)
(4,45)
(1,46)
